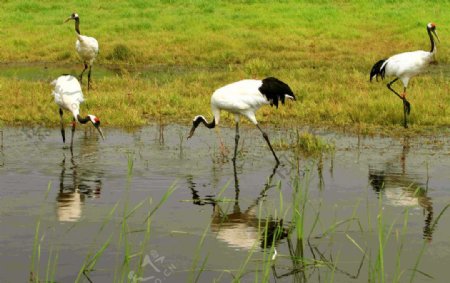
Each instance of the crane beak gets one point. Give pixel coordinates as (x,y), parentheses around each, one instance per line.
(68,19)
(191,133)
(290,97)
(99,131)
(435,34)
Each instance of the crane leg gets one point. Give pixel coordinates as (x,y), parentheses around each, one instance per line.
(63,133)
(406,108)
(81,75)
(406,104)
(236,186)
(236,140)
(391,89)
(73,133)
(266,137)
(89,77)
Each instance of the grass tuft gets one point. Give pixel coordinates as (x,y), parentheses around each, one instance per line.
(120,52)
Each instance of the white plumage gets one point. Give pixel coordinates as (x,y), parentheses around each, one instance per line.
(86,46)
(244,98)
(239,98)
(404,66)
(68,96)
(408,64)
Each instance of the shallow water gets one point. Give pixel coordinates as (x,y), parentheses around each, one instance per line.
(84,186)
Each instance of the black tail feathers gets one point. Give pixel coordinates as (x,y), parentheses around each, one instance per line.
(377,71)
(275,90)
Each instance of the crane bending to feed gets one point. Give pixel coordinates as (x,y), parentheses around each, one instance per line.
(87,48)
(404,66)
(244,98)
(68,96)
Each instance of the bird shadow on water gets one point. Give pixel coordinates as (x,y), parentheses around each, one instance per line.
(398,188)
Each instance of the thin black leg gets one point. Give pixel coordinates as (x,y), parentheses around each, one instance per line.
(63,133)
(73,133)
(81,75)
(236,186)
(268,142)
(236,140)
(406,104)
(391,89)
(405,111)
(89,77)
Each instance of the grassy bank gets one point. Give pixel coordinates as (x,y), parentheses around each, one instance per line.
(323,51)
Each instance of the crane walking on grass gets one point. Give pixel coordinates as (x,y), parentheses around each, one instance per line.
(404,66)
(244,98)
(87,48)
(68,96)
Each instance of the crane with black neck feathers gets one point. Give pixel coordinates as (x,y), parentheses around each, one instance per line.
(86,46)
(244,98)
(68,96)
(404,66)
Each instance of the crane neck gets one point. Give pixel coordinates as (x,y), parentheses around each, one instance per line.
(433,44)
(77,25)
(83,120)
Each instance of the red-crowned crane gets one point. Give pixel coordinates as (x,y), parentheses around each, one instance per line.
(404,66)
(244,98)
(68,96)
(86,46)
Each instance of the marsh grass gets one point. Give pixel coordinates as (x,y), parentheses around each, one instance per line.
(36,253)
(127,246)
(312,240)
(323,50)
(313,248)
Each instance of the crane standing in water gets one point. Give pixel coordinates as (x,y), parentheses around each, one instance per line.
(68,96)
(244,98)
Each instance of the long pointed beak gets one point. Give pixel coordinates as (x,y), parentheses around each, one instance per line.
(100,132)
(290,97)
(191,133)
(437,37)
(68,19)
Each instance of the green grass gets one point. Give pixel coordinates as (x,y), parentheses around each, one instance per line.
(324,51)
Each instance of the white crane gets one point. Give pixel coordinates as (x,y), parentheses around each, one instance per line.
(244,98)
(87,48)
(68,96)
(404,66)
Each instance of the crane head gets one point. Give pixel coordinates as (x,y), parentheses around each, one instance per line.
(96,122)
(74,17)
(432,28)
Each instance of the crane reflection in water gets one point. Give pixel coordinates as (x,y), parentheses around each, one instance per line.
(79,179)
(239,228)
(399,188)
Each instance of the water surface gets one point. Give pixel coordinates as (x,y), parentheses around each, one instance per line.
(71,195)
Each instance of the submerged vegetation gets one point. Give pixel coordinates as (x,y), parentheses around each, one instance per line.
(167,69)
